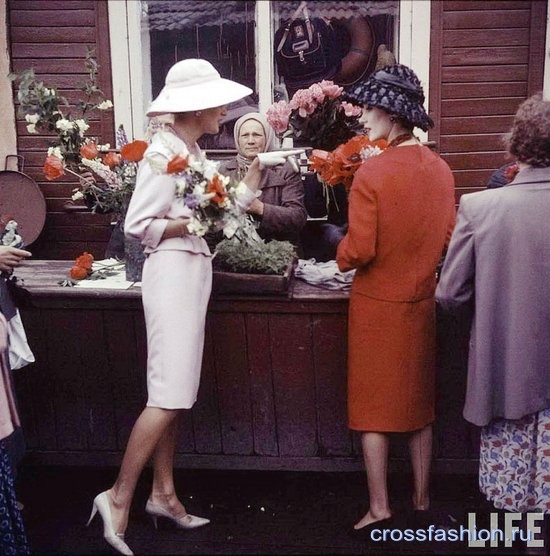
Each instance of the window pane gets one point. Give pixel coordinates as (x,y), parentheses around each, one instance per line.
(221,32)
(351,33)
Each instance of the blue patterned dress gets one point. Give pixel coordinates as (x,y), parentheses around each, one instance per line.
(13,540)
(514,463)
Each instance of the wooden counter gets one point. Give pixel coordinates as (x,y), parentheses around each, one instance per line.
(273,387)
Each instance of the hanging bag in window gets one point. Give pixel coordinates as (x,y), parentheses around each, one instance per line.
(306,50)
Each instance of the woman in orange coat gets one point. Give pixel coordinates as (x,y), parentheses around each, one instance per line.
(401,214)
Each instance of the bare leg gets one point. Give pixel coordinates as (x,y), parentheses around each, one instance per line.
(375,455)
(148,431)
(420,446)
(163,491)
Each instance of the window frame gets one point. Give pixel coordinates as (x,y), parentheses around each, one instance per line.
(130,56)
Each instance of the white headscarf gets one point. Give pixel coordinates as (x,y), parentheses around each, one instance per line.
(271,141)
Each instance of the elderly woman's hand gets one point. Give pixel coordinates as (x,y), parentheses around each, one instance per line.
(10,257)
(253,176)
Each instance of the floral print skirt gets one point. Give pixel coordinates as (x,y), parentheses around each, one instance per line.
(13,540)
(514,463)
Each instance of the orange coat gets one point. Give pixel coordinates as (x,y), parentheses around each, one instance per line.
(401,215)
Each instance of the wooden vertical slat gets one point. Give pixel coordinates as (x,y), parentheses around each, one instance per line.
(330,364)
(98,394)
(229,342)
(206,416)
(537,46)
(127,377)
(261,385)
(65,330)
(294,384)
(436,46)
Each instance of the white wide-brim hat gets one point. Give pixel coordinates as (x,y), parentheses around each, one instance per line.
(195,84)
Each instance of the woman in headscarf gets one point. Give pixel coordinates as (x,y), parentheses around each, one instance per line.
(279,210)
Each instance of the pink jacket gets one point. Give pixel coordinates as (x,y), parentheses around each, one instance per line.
(8,413)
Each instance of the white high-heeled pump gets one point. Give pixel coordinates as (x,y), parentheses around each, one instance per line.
(186,521)
(116,540)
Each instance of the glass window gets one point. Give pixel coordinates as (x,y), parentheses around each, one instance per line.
(222,32)
(340,43)
(227,34)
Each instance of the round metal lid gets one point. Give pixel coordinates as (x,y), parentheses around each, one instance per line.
(22,200)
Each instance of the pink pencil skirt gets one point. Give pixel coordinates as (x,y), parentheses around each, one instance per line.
(175,290)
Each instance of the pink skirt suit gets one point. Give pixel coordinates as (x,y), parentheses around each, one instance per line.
(176,283)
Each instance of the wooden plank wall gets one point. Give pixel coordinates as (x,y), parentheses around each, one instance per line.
(52,37)
(488,56)
(272,393)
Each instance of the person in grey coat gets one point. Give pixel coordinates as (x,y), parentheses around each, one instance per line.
(497,271)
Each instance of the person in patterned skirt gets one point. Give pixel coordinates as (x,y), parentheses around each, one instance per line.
(497,272)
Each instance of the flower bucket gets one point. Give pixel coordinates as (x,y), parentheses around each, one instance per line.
(134,259)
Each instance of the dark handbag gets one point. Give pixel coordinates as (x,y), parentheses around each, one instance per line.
(307,50)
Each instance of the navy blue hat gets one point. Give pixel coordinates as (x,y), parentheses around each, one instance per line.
(397,90)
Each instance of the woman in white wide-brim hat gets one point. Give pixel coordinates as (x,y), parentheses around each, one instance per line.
(176,284)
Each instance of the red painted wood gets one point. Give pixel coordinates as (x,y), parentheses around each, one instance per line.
(478,56)
(472,178)
(97,396)
(330,363)
(485,37)
(487,73)
(473,161)
(486,19)
(481,107)
(206,414)
(294,384)
(127,379)
(468,5)
(50,35)
(233,384)
(489,124)
(484,90)
(469,143)
(261,385)
(52,18)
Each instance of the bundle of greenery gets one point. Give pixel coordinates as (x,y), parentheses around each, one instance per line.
(260,257)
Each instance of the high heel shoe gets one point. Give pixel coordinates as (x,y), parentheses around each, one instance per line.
(186,521)
(116,540)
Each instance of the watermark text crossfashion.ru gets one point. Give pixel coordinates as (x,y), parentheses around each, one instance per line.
(498,534)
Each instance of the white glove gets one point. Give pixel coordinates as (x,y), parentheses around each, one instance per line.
(274,158)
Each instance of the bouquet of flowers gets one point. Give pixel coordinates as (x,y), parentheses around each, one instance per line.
(211,196)
(316,116)
(340,165)
(72,152)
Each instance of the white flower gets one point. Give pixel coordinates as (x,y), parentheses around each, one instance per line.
(32,118)
(77,195)
(82,126)
(196,227)
(31,128)
(55,151)
(63,124)
(103,148)
(367,152)
(105,105)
